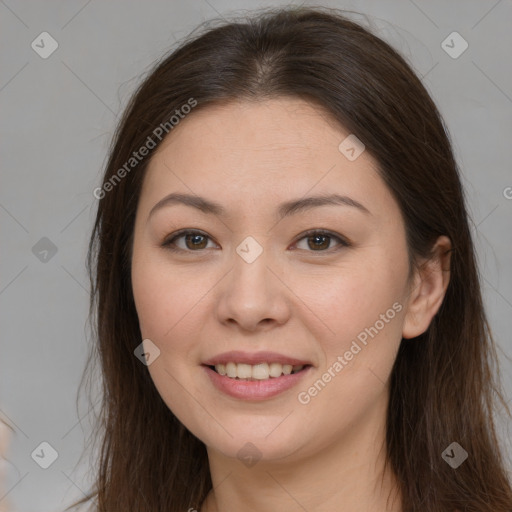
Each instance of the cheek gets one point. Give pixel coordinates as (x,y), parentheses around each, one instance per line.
(366,315)
(165,301)
(163,296)
(351,301)
(151,302)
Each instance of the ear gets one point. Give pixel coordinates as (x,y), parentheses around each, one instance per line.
(428,288)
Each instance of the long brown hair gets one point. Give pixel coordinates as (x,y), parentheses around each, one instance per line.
(444,384)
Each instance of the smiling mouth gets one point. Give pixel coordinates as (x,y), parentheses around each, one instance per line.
(256,372)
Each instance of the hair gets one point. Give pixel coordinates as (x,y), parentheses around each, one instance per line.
(444,385)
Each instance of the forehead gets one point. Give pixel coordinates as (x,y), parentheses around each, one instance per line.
(290,127)
(260,151)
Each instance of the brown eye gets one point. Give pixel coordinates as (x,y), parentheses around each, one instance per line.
(196,241)
(320,241)
(193,241)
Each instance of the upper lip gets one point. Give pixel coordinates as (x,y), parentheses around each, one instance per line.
(252,358)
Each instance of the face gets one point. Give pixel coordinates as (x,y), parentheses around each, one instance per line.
(256,286)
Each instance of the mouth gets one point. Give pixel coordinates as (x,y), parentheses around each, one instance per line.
(256,381)
(257,372)
(255,376)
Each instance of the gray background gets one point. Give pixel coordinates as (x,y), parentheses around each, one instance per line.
(58,116)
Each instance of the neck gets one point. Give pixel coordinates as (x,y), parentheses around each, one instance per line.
(349,475)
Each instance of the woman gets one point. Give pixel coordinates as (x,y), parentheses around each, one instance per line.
(288,308)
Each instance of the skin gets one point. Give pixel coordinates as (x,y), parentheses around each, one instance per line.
(306,302)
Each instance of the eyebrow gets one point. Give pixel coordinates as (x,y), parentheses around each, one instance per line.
(285,209)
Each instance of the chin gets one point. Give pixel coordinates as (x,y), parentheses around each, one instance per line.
(264,439)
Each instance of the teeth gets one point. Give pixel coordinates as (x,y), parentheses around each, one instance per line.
(276,369)
(259,371)
(262,371)
(231,370)
(287,369)
(243,371)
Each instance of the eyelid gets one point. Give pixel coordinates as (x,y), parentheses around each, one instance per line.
(167,243)
(343,242)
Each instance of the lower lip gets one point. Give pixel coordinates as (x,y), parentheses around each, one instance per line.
(255,389)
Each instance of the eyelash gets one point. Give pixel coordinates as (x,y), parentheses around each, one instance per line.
(169,243)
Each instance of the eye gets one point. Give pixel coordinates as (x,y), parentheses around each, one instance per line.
(193,239)
(318,240)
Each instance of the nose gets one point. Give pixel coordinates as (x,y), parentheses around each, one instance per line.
(253,296)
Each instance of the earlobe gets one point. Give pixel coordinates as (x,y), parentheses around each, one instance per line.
(428,289)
